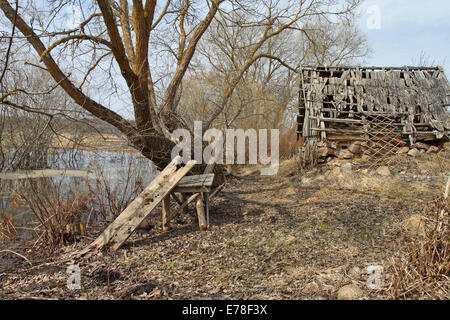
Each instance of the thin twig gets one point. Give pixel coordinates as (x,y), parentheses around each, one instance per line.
(18,254)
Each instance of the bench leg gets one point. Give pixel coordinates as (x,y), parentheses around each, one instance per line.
(182,198)
(165,213)
(207,208)
(201,214)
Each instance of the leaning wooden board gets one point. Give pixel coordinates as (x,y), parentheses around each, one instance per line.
(125,224)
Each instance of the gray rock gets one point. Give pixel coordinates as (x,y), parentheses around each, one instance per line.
(413,152)
(403,150)
(421,146)
(345,154)
(347,167)
(433,149)
(350,292)
(384,171)
(355,148)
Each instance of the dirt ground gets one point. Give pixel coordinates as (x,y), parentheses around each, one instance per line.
(298,235)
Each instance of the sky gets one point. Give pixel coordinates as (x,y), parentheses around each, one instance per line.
(399,31)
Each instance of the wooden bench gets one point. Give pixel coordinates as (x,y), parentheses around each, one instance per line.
(171,182)
(197,188)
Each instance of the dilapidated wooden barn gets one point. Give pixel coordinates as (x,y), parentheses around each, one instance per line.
(369,104)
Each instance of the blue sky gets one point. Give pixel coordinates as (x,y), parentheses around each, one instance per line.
(408,28)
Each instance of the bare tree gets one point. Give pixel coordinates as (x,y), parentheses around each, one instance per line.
(230,90)
(136,37)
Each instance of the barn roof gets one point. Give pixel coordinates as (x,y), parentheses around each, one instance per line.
(418,96)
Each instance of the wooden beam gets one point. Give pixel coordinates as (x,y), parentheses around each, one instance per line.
(338,130)
(165,212)
(160,193)
(183,207)
(200,205)
(338,120)
(125,224)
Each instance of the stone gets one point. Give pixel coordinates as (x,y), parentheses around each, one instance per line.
(384,171)
(403,150)
(350,292)
(325,152)
(366,158)
(421,146)
(355,148)
(355,273)
(413,152)
(310,288)
(433,149)
(345,154)
(400,143)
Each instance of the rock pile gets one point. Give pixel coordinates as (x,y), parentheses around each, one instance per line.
(327,151)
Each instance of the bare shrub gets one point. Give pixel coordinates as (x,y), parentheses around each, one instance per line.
(424,271)
(54,206)
(289,144)
(7,230)
(60,207)
(112,197)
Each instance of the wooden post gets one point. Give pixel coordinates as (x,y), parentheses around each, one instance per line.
(201,214)
(182,198)
(165,213)
(207,208)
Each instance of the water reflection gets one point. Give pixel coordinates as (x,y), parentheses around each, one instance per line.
(79,171)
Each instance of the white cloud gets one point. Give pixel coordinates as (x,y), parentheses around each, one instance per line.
(409,27)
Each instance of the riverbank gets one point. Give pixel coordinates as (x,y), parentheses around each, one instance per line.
(293,236)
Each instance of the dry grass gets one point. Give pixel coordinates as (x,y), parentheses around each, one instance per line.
(424,271)
(7,230)
(103,142)
(289,144)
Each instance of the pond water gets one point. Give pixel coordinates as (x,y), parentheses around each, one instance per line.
(76,170)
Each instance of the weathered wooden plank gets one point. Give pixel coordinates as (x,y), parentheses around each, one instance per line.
(121,228)
(156,197)
(201,180)
(201,214)
(337,120)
